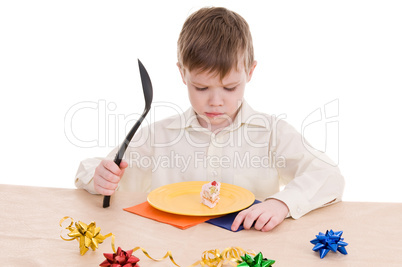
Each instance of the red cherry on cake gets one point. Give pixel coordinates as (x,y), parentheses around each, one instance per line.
(214,183)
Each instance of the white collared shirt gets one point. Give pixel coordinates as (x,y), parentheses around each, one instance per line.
(257,151)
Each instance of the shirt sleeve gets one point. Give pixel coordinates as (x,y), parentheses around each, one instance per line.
(134,179)
(86,171)
(311,179)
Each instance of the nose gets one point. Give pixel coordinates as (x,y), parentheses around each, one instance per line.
(215,98)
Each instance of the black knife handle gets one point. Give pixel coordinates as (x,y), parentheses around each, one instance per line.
(106,199)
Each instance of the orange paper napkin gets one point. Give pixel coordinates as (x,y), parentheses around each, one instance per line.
(179,221)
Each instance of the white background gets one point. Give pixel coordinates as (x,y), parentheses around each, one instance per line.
(58,56)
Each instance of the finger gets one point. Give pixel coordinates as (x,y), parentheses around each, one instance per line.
(107,175)
(112,167)
(101,181)
(273,222)
(102,190)
(123,165)
(251,217)
(262,220)
(238,220)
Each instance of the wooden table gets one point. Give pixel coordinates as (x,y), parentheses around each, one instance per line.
(30,232)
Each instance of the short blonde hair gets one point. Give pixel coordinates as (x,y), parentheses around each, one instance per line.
(215,39)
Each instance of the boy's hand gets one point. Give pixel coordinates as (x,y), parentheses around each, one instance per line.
(107,176)
(266,215)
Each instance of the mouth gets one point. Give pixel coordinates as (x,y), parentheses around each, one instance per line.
(213,114)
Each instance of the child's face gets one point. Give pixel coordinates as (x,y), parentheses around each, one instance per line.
(216,101)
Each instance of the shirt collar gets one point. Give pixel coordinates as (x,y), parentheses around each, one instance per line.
(246,115)
(188,119)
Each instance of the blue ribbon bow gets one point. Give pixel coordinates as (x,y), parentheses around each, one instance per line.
(329,241)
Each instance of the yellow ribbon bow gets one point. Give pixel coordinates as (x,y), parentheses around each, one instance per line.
(88,236)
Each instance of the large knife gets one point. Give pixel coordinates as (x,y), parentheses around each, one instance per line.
(148,95)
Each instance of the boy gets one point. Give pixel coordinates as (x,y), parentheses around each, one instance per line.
(221,137)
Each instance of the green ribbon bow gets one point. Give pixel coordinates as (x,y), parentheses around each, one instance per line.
(257,261)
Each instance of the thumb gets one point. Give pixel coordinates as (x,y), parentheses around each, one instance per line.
(123,164)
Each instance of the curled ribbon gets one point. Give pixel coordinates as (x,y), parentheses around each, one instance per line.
(168,254)
(213,258)
(88,236)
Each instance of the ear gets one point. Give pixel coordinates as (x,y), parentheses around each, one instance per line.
(250,73)
(181,69)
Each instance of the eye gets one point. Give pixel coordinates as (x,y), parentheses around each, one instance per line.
(201,89)
(230,89)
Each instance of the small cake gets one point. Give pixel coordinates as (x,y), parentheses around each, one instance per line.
(210,194)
